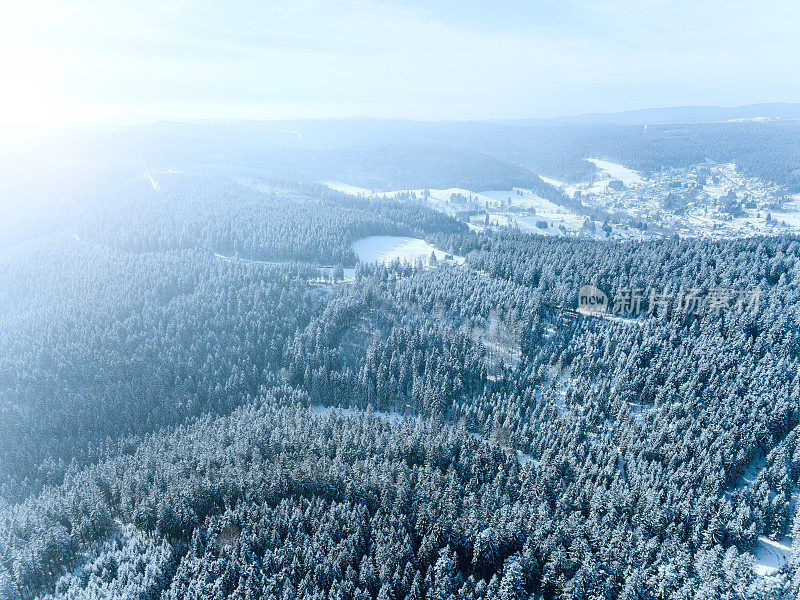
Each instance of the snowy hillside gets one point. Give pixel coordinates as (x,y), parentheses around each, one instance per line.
(705,200)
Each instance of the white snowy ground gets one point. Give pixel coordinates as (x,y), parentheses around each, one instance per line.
(451,200)
(518,198)
(608,171)
(393,418)
(568,188)
(152,181)
(384,249)
(446,200)
(328,270)
(348,189)
(528,223)
(771,555)
(503,207)
(768,555)
(616,171)
(544,210)
(790,213)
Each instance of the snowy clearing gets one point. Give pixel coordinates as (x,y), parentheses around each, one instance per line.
(451,200)
(568,188)
(518,208)
(771,555)
(752,472)
(393,418)
(326,271)
(616,171)
(518,198)
(345,188)
(384,249)
(524,459)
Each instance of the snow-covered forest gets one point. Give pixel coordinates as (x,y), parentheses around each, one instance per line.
(237,382)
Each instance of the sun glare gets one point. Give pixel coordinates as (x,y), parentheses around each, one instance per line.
(32,72)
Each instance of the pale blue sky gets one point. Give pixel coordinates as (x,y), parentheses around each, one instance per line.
(66,61)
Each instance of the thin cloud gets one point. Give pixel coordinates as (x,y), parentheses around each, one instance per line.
(407,59)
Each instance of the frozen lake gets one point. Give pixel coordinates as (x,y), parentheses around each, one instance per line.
(384,249)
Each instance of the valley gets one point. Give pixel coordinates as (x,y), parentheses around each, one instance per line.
(707,200)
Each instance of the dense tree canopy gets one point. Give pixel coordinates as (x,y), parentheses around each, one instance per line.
(169,360)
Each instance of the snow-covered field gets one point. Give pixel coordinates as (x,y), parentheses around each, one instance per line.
(326,271)
(518,208)
(517,198)
(616,171)
(450,200)
(790,213)
(608,172)
(770,555)
(384,249)
(568,188)
(348,189)
(529,224)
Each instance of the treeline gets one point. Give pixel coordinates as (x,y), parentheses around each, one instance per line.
(269,221)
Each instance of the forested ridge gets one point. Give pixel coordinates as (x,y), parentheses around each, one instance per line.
(168,354)
(390,154)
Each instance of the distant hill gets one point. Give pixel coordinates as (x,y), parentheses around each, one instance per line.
(684,114)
